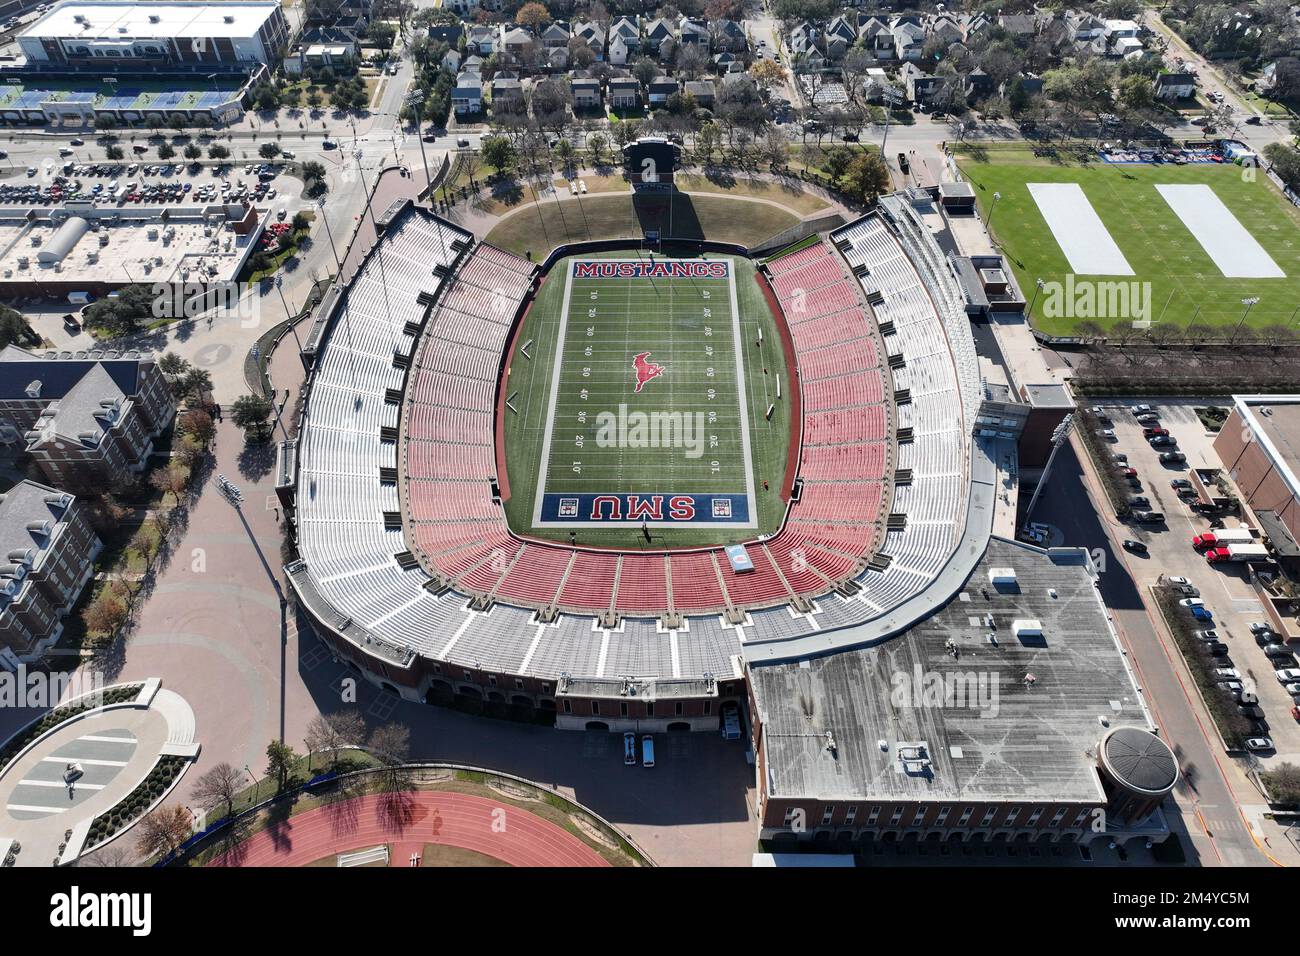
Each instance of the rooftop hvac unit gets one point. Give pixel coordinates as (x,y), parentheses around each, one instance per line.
(23,262)
(92,257)
(1027,627)
(1002,576)
(36,239)
(103,238)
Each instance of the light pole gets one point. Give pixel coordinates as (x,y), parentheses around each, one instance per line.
(1059,435)
(1038,283)
(257,784)
(320,204)
(1249,304)
(988,223)
(415,99)
(293,326)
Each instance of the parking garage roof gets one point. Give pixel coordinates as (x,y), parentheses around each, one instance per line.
(111,21)
(1015,719)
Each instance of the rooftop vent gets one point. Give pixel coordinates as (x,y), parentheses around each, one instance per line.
(34,388)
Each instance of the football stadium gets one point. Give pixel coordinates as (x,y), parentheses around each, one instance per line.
(641,484)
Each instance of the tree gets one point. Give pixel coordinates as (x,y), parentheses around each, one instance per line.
(391,744)
(219,785)
(163,830)
(192,151)
(166,150)
(498,153)
(1284,161)
(217,151)
(330,733)
(194,384)
(171,480)
(767,73)
(13,328)
(280,758)
(534,16)
(250,413)
(866,178)
(105,614)
(268,150)
(1283,783)
(115,153)
(645,70)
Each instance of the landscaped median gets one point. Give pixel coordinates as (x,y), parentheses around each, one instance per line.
(1233,728)
(1103,462)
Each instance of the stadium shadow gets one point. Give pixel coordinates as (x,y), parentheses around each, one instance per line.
(671,215)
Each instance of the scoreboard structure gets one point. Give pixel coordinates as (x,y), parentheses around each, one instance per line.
(651,162)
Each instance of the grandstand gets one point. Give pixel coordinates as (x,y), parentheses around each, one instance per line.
(406,564)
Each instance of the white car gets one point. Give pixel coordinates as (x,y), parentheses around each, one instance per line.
(1178,580)
(1192,602)
(1259,627)
(1287,675)
(1142,409)
(1227,672)
(1107,433)
(1258,743)
(1292,689)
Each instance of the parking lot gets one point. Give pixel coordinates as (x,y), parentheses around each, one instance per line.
(119,184)
(1224,587)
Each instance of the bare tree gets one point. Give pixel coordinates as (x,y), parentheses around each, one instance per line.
(391,745)
(329,733)
(219,785)
(163,830)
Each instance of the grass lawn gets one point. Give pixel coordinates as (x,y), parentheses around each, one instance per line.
(790,195)
(596,184)
(686,326)
(1186,284)
(538,228)
(1273,108)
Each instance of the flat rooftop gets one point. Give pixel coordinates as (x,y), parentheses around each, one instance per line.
(1020,716)
(120,21)
(1277,417)
(194,244)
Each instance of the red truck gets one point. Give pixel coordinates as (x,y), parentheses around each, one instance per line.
(1237,552)
(1222,537)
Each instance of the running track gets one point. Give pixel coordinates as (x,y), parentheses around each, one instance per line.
(453,819)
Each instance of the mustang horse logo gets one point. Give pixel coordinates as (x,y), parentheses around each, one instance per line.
(645,369)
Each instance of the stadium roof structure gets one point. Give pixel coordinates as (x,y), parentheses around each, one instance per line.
(106,19)
(833,726)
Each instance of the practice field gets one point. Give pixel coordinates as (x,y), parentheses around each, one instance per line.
(637,399)
(1185,274)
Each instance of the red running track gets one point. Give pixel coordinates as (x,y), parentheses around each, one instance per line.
(452,819)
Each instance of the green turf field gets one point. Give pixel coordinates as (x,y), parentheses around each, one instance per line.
(1187,288)
(692,446)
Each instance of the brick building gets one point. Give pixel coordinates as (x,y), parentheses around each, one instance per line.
(1259,446)
(87,419)
(47,554)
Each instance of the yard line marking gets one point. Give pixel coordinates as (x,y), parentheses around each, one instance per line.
(743,400)
(86,760)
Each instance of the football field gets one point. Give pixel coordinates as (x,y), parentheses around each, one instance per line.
(647,415)
(637,404)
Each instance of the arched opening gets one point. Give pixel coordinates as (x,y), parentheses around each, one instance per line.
(597,725)
(678,725)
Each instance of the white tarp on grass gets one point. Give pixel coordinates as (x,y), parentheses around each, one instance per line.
(1221,235)
(1078,230)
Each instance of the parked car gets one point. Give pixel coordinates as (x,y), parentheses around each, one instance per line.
(1172,457)
(1154,431)
(1187,590)
(1128,472)
(1260,627)
(1258,743)
(1192,602)
(1149,517)
(1107,433)
(647,751)
(1227,673)
(1162,441)
(1201,614)
(1287,675)
(1137,547)
(1210,634)
(629,749)
(1217,649)
(1142,409)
